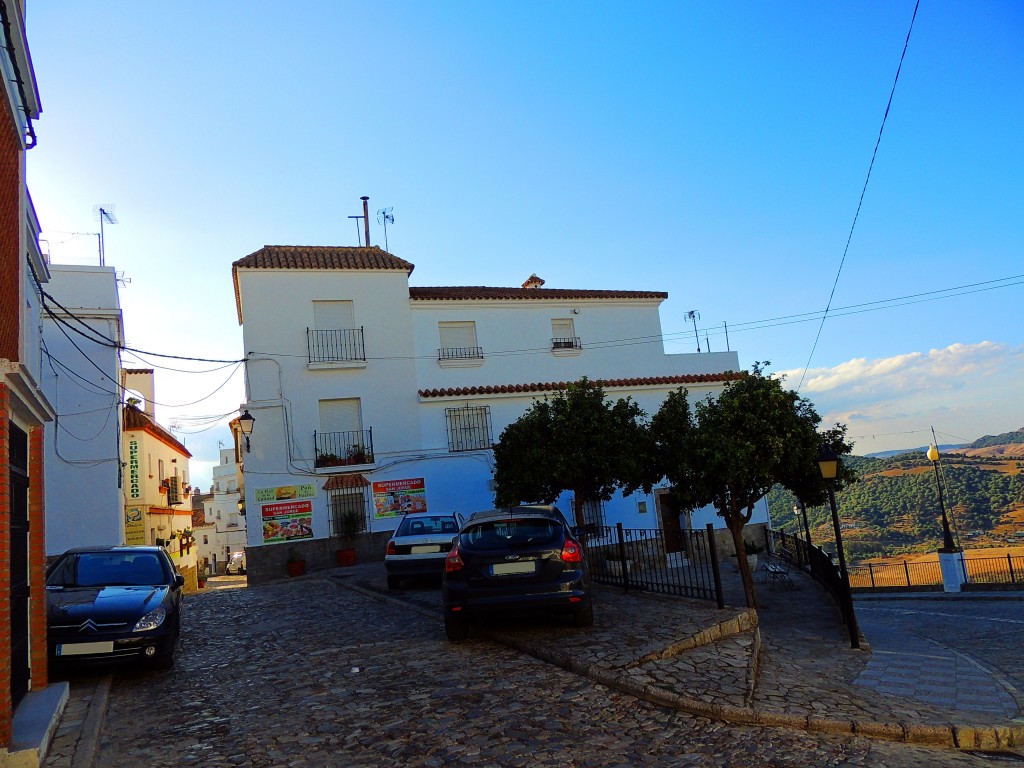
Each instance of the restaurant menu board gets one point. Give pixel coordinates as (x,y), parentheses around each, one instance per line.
(287,521)
(393,498)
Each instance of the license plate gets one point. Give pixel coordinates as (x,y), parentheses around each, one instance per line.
(80,649)
(422,549)
(502,569)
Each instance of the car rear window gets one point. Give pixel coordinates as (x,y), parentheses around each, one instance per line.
(423,525)
(512,533)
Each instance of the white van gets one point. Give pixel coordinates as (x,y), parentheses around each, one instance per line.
(236,563)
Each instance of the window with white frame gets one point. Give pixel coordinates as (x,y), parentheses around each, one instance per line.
(334,337)
(469,428)
(458,341)
(563,334)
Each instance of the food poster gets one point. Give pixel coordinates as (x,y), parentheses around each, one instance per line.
(286,493)
(287,521)
(134,527)
(394,498)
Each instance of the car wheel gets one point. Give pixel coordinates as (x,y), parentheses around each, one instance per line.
(584,615)
(394,582)
(456,630)
(241,571)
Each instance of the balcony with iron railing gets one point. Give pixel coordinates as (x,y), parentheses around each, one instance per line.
(566,344)
(339,449)
(460,357)
(343,345)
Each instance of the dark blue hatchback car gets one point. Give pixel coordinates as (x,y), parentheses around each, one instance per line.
(520,560)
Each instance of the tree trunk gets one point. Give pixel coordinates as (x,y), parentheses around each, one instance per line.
(577,509)
(736,529)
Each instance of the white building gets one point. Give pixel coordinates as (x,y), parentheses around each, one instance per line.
(224,529)
(371,393)
(85,503)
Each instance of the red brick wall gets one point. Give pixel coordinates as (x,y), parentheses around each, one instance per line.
(6,711)
(10,231)
(37,558)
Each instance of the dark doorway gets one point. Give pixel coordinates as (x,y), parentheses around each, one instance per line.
(18,451)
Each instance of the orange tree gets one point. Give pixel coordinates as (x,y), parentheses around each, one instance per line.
(577,441)
(729,451)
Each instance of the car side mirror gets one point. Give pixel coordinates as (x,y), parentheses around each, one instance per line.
(179,580)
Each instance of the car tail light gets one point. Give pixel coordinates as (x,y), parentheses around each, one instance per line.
(453,562)
(392,549)
(572,552)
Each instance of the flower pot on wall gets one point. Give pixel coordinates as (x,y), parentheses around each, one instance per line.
(296,567)
(346,557)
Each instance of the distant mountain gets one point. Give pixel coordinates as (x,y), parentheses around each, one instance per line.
(1007,438)
(894,509)
(923,449)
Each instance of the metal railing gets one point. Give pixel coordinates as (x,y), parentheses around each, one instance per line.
(460,353)
(567,342)
(635,558)
(335,346)
(335,449)
(906,575)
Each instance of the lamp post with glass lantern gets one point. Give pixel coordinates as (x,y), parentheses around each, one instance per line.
(828,464)
(245,423)
(951,559)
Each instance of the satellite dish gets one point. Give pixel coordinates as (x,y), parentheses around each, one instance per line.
(385,217)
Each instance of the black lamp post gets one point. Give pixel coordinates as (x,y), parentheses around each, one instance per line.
(828,464)
(947,535)
(245,422)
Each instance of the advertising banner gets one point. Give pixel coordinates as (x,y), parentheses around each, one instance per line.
(287,521)
(134,527)
(394,498)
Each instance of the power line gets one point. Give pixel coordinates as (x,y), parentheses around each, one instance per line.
(860,202)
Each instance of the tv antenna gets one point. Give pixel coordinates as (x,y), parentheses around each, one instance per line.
(103,211)
(385,217)
(694,315)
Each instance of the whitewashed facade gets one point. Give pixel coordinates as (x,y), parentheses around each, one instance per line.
(85,503)
(224,531)
(349,365)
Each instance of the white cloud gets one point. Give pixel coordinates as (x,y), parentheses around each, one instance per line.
(964,391)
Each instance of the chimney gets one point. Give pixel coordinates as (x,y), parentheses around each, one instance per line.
(366,218)
(533,281)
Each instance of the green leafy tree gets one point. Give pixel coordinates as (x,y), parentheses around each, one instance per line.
(574,441)
(729,451)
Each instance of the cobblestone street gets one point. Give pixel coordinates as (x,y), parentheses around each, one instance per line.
(307,672)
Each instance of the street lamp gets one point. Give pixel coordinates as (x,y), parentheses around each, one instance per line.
(828,464)
(947,535)
(245,422)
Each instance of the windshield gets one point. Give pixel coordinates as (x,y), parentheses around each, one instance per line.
(95,569)
(427,525)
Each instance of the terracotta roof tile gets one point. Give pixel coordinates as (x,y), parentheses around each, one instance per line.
(554,386)
(322,257)
(136,419)
(346,480)
(474,292)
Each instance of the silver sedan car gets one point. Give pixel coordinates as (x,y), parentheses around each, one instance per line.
(418,546)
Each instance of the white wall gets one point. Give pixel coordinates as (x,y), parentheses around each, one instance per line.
(84,504)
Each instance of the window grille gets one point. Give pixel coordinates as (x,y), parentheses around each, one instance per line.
(342,501)
(469,428)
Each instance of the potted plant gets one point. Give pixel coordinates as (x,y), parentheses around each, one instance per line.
(356,454)
(328,460)
(753,550)
(296,563)
(350,523)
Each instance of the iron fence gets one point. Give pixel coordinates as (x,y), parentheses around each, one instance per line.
(907,575)
(996,570)
(335,345)
(636,558)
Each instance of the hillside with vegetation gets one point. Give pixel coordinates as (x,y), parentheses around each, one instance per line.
(894,509)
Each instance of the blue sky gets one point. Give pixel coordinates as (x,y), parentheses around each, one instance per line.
(716,151)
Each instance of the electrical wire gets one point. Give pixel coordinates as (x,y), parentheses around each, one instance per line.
(860,202)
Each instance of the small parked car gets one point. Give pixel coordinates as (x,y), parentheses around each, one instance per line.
(111,604)
(418,546)
(236,563)
(520,560)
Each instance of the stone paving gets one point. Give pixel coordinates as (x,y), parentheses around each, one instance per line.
(330,669)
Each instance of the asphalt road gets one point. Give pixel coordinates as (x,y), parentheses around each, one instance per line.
(308,673)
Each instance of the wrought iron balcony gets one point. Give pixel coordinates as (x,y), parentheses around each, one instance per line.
(568,342)
(460,353)
(338,449)
(342,345)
